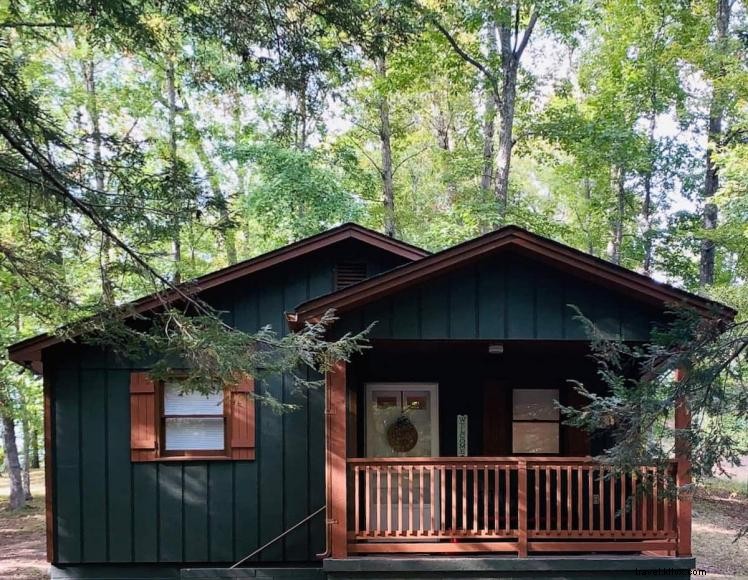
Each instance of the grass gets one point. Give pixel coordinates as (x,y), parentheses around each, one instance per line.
(720,509)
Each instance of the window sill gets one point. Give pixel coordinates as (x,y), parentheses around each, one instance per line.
(187,458)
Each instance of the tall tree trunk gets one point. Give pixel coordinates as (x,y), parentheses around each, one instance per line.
(88,68)
(17,496)
(490,106)
(171,91)
(302,114)
(226,229)
(647,209)
(385,140)
(617,238)
(26,458)
(241,172)
(506,129)
(714,140)
(512,46)
(442,128)
(35,461)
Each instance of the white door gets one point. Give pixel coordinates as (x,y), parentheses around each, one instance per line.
(402,420)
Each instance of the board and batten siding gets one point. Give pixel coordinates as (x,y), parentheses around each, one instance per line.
(109,510)
(504,297)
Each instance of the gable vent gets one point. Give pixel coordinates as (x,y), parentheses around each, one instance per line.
(347,273)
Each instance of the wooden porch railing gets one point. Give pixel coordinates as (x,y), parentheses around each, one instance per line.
(501,504)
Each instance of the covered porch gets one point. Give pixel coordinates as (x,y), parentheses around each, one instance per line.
(484,464)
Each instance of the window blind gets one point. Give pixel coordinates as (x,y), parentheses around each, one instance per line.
(176,403)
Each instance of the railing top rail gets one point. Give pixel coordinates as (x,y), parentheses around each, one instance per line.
(513,460)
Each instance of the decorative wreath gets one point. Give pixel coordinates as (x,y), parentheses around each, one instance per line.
(402,435)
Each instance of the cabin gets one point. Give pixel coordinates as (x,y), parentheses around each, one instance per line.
(438,452)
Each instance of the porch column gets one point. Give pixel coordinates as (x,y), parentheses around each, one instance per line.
(337,494)
(683,473)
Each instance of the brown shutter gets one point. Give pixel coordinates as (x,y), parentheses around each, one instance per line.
(143,418)
(242,420)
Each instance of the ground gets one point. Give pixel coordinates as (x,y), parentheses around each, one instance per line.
(22,538)
(719,511)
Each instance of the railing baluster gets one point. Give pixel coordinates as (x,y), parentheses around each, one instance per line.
(558,497)
(601,496)
(612,501)
(367,499)
(464,527)
(623,502)
(432,499)
(537,498)
(356,501)
(388,505)
(547,498)
(453,523)
(634,502)
(420,501)
(475,499)
(411,524)
(656,500)
(379,501)
(507,487)
(569,499)
(580,499)
(443,498)
(645,501)
(400,500)
(486,489)
(591,500)
(496,499)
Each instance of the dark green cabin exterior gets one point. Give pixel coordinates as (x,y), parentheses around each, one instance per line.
(114,518)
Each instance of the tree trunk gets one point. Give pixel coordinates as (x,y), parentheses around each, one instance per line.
(17,496)
(617,239)
(714,140)
(26,459)
(506,128)
(647,208)
(35,461)
(489,129)
(171,91)
(88,68)
(385,139)
(226,229)
(241,172)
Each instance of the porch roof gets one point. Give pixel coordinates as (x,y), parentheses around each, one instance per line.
(521,241)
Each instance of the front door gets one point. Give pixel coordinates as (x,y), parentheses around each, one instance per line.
(402,420)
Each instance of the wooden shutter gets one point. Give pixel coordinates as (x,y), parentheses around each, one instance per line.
(143,418)
(242,420)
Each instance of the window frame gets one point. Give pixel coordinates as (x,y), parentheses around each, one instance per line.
(557,422)
(224,453)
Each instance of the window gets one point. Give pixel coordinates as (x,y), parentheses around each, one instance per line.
(192,421)
(535,421)
(166,425)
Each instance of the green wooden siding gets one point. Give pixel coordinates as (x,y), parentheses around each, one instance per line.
(504,297)
(111,510)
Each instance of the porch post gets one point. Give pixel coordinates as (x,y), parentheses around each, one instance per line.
(522,508)
(337,493)
(683,474)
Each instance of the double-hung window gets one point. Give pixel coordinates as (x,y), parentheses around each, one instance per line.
(167,424)
(535,421)
(192,422)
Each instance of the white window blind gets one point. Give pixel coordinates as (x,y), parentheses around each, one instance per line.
(176,403)
(192,421)
(194,434)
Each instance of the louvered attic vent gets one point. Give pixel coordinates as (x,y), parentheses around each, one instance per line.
(347,273)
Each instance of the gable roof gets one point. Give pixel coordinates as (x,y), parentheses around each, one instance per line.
(29,350)
(571,260)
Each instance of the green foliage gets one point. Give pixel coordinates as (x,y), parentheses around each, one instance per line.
(643,392)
